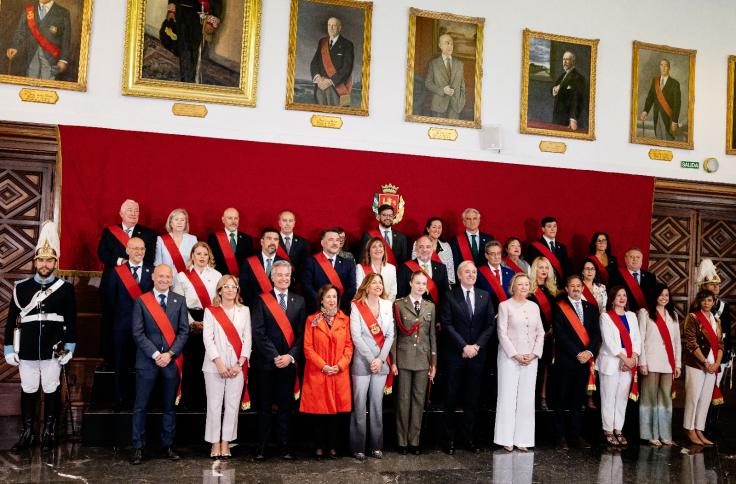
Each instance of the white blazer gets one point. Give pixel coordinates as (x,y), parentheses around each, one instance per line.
(366,349)
(607,361)
(163,256)
(210,277)
(388,273)
(216,342)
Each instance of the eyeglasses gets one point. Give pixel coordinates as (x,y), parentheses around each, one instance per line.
(228,286)
(588,268)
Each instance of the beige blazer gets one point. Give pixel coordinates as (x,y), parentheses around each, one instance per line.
(216,342)
(520,329)
(653,352)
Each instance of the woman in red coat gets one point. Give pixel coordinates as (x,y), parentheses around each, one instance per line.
(328,350)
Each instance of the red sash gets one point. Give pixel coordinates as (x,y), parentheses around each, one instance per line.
(495,285)
(512,265)
(176,257)
(281,252)
(260,273)
(234,339)
(552,258)
(400,323)
(228,254)
(713,340)
(588,295)
(628,345)
(582,333)
(665,334)
(367,269)
(45,43)
(633,286)
(199,288)
(119,234)
(342,89)
(464,246)
(134,291)
(543,304)
(431,286)
(330,272)
(602,271)
(167,330)
(436,258)
(662,101)
(390,257)
(282,320)
(370,320)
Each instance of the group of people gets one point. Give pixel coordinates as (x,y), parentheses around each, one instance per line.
(330,333)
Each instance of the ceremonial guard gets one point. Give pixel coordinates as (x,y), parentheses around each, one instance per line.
(40,337)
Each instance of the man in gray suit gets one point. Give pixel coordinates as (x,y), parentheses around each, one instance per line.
(156,357)
(446,81)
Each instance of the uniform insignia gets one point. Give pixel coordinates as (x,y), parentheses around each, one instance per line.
(390,196)
(375,329)
(54,29)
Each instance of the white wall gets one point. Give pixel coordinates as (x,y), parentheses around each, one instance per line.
(705,25)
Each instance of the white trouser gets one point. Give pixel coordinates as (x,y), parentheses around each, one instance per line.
(698,394)
(515,402)
(218,426)
(614,396)
(43,372)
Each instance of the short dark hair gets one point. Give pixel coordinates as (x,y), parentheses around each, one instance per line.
(548,220)
(327,231)
(594,240)
(492,243)
(385,206)
(429,222)
(569,279)
(699,297)
(339,230)
(267,230)
(323,290)
(612,295)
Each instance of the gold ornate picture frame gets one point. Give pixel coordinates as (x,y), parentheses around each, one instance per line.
(730,134)
(161,62)
(435,92)
(558,77)
(65,30)
(329,73)
(657,109)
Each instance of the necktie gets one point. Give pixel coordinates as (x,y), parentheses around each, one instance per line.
(469,304)
(552,245)
(282,301)
(135,274)
(417,306)
(636,277)
(332,262)
(332,42)
(387,237)
(129,232)
(474,244)
(233,243)
(579,310)
(42,11)
(162,300)
(269,263)
(287,243)
(497,275)
(425,267)
(661,82)
(448,65)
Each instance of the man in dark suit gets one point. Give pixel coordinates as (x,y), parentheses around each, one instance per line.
(665,99)
(393,238)
(632,275)
(573,359)
(255,271)
(274,359)
(434,270)
(156,357)
(469,245)
(122,300)
(332,67)
(555,251)
(340,269)
(237,243)
(468,321)
(195,20)
(493,269)
(569,94)
(49,57)
(112,252)
(295,246)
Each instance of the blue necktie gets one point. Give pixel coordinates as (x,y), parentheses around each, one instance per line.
(162,301)
(282,301)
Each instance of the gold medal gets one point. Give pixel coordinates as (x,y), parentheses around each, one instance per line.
(375,329)
(54,29)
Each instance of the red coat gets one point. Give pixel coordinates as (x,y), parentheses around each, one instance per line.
(322,393)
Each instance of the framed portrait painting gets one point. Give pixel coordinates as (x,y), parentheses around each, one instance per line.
(193,50)
(663,95)
(558,85)
(45,43)
(444,69)
(730,126)
(329,56)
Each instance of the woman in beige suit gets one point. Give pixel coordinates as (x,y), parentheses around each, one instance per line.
(520,344)
(226,326)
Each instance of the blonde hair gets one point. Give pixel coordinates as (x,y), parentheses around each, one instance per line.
(217,300)
(518,275)
(362,291)
(550,283)
(201,243)
(175,212)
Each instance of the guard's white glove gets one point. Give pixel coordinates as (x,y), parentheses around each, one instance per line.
(65,359)
(12,359)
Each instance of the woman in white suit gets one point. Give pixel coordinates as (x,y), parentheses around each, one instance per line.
(374,260)
(177,230)
(371,320)
(226,326)
(617,362)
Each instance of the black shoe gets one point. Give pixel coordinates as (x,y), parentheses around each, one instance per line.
(473,447)
(28,411)
(562,444)
(450,448)
(137,457)
(332,454)
(261,453)
(415,449)
(170,454)
(403,450)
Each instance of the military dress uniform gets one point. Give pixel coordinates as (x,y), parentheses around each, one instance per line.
(414,351)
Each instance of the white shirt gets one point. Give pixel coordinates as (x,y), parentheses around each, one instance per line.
(663,80)
(234,234)
(383,231)
(632,275)
(388,273)
(128,230)
(334,39)
(428,268)
(330,256)
(266,257)
(209,277)
(278,296)
(548,240)
(446,58)
(285,236)
(415,301)
(498,269)
(166,300)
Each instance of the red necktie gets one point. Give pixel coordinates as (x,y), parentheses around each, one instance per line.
(497,273)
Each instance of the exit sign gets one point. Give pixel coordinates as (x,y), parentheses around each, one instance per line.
(690,164)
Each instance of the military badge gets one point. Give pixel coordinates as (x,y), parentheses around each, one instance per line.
(390,196)
(54,29)
(375,329)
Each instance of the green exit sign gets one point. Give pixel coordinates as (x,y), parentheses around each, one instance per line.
(690,164)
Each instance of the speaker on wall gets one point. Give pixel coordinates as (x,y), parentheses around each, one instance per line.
(491,137)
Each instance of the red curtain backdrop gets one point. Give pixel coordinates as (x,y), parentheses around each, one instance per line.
(326,187)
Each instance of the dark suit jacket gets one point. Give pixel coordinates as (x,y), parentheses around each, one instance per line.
(55,27)
(399,246)
(268,340)
(567,343)
(459,329)
(482,283)
(249,287)
(298,253)
(439,276)
(341,55)
(570,99)
(314,277)
(110,249)
(243,250)
(149,339)
(480,259)
(647,281)
(671,93)
(122,303)
(561,254)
